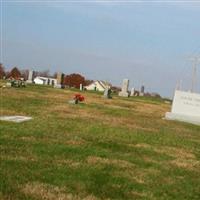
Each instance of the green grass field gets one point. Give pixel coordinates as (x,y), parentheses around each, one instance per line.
(100,149)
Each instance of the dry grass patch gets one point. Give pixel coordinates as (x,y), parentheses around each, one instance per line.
(171,151)
(141,145)
(138,175)
(150,160)
(68,162)
(94,160)
(182,158)
(150,109)
(75,142)
(57,96)
(72,112)
(125,122)
(19,158)
(11,112)
(135,194)
(176,152)
(18,94)
(193,165)
(28,138)
(54,140)
(51,192)
(65,111)
(129,170)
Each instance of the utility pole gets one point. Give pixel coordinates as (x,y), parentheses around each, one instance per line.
(196,61)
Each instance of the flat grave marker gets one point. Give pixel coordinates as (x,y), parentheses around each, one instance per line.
(15,118)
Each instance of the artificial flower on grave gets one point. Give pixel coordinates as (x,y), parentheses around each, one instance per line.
(79,97)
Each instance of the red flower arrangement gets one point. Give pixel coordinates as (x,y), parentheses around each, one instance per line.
(79,97)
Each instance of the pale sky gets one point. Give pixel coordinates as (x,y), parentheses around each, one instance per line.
(147,42)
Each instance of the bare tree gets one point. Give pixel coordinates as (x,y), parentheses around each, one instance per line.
(24,74)
(55,75)
(44,73)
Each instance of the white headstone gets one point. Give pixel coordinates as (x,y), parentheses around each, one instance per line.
(107,93)
(81,87)
(132,92)
(185,107)
(124,91)
(30,76)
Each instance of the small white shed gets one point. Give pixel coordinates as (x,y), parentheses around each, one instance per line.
(45,80)
(98,86)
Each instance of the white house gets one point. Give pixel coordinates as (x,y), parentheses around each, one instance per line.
(45,80)
(97,86)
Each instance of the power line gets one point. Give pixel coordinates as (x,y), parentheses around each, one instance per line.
(196,61)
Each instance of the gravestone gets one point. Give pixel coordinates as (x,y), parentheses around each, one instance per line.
(60,80)
(107,93)
(31,74)
(142,91)
(124,91)
(81,87)
(52,82)
(132,92)
(185,107)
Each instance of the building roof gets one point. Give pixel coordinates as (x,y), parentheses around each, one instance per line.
(101,83)
(45,78)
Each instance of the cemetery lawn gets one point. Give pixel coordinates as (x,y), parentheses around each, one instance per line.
(101,149)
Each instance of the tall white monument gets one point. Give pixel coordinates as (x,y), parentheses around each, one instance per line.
(31,74)
(124,91)
(185,107)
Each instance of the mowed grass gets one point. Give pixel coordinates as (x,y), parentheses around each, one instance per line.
(100,149)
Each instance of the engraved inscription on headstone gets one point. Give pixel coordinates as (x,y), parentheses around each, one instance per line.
(185,107)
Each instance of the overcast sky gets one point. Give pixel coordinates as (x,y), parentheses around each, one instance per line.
(148,42)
